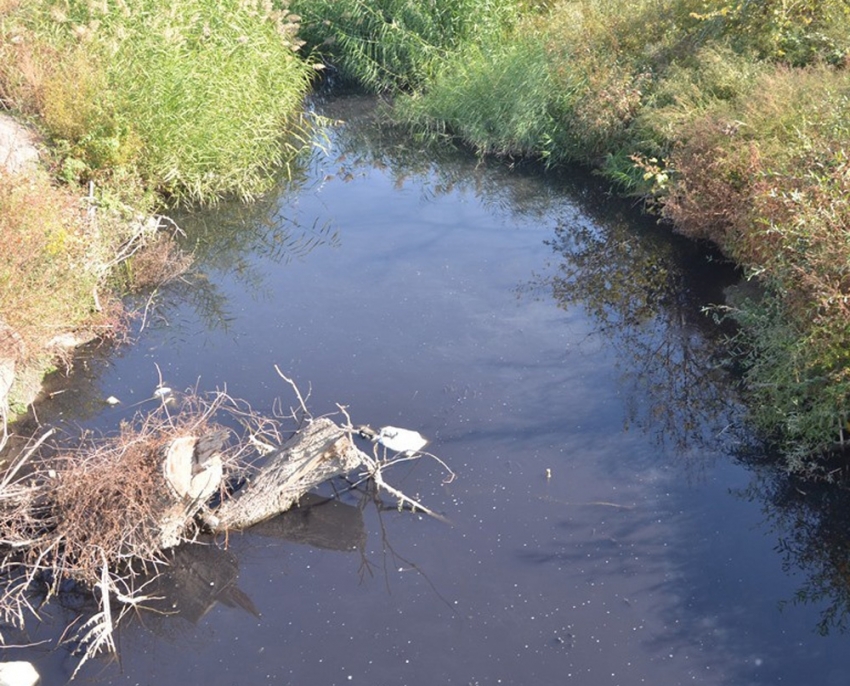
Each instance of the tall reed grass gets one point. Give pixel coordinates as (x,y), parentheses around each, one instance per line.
(386,45)
(197,99)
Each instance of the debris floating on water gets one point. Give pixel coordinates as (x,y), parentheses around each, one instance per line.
(398,440)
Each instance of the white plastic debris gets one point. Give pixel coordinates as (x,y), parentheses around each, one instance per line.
(401,440)
(18,674)
(161,392)
(112,400)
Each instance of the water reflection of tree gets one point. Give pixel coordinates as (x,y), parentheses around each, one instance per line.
(228,238)
(812,523)
(365,139)
(645,293)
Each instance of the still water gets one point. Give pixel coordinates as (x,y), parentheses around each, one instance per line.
(605,528)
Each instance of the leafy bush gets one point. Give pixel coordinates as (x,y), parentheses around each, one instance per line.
(398,44)
(193,97)
(766,177)
(797,33)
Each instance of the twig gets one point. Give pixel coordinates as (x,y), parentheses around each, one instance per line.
(26,456)
(374,468)
(375,473)
(295,388)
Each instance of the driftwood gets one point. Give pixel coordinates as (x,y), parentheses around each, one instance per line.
(320,451)
(193,470)
(111,514)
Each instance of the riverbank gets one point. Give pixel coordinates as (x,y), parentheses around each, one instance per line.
(137,108)
(727,120)
(49,279)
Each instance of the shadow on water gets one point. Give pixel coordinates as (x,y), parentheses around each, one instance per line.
(811,523)
(621,551)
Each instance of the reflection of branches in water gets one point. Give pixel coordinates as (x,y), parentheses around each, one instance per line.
(637,287)
(371,496)
(228,239)
(812,522)
(367,140)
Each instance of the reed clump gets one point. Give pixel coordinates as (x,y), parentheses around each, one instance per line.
(389,45)
(193,99)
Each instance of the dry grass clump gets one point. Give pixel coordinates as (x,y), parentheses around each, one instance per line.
(160,261)
(47,276)
(91,513)
(56,256)
(45,266)
(109,494)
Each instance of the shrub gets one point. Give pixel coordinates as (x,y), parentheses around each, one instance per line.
(48,275)
(193,97)
(796,33)
(766,176)
(398,44)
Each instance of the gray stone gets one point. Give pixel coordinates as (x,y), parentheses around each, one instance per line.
(18,151)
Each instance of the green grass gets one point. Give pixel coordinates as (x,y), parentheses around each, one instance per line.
(197,99)
(387,45)
(493,98)
(730,119)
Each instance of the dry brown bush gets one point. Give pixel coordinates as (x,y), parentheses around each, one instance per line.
(91,513)
(161,260)
(109,494)
(711,192)
(46,276)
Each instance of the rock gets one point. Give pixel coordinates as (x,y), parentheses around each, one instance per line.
(69,340)
(11,347)
(18,151)
(18,674)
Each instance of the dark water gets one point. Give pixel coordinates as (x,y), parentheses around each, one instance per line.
(605,527)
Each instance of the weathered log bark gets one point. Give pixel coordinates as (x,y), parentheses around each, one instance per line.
(321,451)
(192,477)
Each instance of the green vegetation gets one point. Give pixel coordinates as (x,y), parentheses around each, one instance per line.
(44,239)
(142,103)
(728,117)
(189,99)
(398,44)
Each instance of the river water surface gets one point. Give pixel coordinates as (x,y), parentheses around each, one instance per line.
(604,527)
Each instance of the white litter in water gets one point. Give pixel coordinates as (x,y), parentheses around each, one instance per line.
(161,391)
(112,400)
(401,440)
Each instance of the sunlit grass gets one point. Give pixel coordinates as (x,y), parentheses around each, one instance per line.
(198,99)
(386,45)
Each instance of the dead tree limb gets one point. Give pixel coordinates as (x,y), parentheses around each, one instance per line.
(320,451)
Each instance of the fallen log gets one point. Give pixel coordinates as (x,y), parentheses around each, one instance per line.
(102,512)
(321,451)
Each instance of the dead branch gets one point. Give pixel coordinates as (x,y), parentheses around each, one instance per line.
(320,452)
(104,511)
